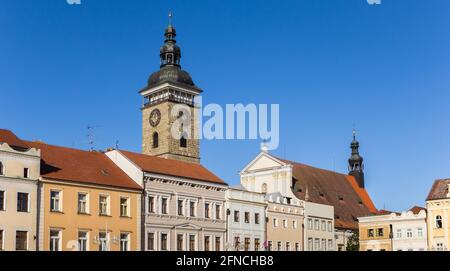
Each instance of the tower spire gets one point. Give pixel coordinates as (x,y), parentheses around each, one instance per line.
(356,162)
(170,52)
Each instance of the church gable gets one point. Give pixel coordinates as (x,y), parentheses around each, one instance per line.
(263,161)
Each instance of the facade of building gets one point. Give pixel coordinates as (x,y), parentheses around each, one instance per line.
(390,231)
(246,220)
(438,208)
(183,206)
(85,202)
(19,174)
(319,227)
(284,223)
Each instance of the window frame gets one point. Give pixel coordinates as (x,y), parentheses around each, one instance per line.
(85,239)
(52,238)
(21,205)
(127,240)
(3,200)
(60,195)
(127,206)
(27,237)
(86,203)
(100,205)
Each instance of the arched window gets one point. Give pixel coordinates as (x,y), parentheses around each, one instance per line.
(183,142)
(264,188)
(2,171)
(155,140)
(438,222)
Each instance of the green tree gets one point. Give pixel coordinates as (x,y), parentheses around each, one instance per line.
(353,242)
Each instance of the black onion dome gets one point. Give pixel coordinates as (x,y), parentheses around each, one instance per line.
(172,74)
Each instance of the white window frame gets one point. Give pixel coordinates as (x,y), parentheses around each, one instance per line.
(217,205)
(51,239)
(128,206)
(294,224)
(26,173)
(106,241)
(275,222)
(2,243)
(167,241)
(154,245)
(85,239)
(285,223)
(420,232)
(108,204)
(167,205)
(60,196)
(28,200)
(27,240)
(153,202)
(87,207)
(310,224)
(127,240)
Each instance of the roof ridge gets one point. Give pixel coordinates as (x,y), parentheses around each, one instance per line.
(61,147)
(313,167)
(163,159)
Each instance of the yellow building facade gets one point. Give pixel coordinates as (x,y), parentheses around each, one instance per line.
(438,208)
(375,233)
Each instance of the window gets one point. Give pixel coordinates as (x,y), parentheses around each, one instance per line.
(438,222)
(310,244)
(151,204)
(124,241)
(22,202)
(124,209)
(257,219)
(237,243)
(285,223)
(150,241)
(236,216)
(155,140)
(247,217)
(330,226)
(192,209)
(370,233)
(21,240)
(218,244)
(257,244)
(103,206)
(103,241)
(207,210)
(316,224)
(218,211)
(264,188)
(2,169)
(164,242)
(26,173)
(2,200)
(288,246)
(270,246)
(399,233)
(180,242)
(317,244)
(279,246)
(207,243)
(297,247)
(324,245)
(1,240)
(82,241)
(183,142)
(409,233)
(55,240)
(294,224)
(440,247)
(275,222)
(310,224)
(180,207)
(191,242)
(330,244)
(420,232)
(82,203)
(380,232)
(55,201)
(246,244)
(324,226)
(164,203)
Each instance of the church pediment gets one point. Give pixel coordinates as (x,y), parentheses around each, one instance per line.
(263,161)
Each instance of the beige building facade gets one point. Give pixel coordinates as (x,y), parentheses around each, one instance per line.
(438,208)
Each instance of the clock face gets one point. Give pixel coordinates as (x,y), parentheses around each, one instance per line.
(155,117)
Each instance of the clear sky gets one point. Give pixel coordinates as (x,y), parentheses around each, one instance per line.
(330,64)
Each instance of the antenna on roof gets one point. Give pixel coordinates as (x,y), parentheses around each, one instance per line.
(90,137)
(117,144)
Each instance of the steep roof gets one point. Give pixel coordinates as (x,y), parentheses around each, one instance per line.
(332,188)
(170,167)
(6,136)
(73,165)
(439,190)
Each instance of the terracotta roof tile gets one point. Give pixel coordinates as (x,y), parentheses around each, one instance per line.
(172,167)
(439,190)
(332,188)
(416,209)
(9,137)
(72,165)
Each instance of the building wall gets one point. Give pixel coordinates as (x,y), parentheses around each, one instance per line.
(410,232)
(172,224)
(319,227)
(438,238)
(70,222)
(252,203)
(13,182)
(375,242)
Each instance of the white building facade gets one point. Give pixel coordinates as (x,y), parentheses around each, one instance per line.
(409,231)
(319,227)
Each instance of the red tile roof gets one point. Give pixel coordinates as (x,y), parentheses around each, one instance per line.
(9,137)
(439,190)
(78,166)
(172,167)
(332,188)
(416,209)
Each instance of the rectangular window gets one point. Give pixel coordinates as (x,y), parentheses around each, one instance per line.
(192,208)
(21,240)
(279,246)
(150,241)
(218,212)
(316,225)
(218,244)
(22,202)
(310,244)
(207,210)
(399,233)
(294,224)
(380,232)
(82,241)
(124,207)
(409,233)
(103,241)
(124,242)
(191,242)
(257,244)
(420,232)
(310,224)
(82,203)
(164,205)
(247,217)
(103,205)
(324,245)
(2,200)
(288,246)
(180,241)
(237,243)
(26,173)
(1,240)
(297,247)
(257,219)
(55,240)
(55,201)
(324,225)
(285,224)
(246,244)
(270,246)
(180,207)
(370,233)
(317,244)
(330,244)
(164,242)
(330,226)
(275,222)
(207,244)
(151,204)
(236,216)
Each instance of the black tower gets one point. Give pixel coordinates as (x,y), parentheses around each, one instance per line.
(355,163)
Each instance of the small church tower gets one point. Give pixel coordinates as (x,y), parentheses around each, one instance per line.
(356,162)
(167,90)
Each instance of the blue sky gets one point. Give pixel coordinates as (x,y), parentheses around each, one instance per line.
(330,64)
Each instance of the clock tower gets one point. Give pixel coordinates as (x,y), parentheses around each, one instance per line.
(169,113)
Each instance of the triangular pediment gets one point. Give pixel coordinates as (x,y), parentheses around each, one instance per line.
(263,161)
(188,226)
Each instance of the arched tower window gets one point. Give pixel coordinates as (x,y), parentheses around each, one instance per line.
(183,142)
(155,140)
(438,222)
(264,188)
(2,170)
